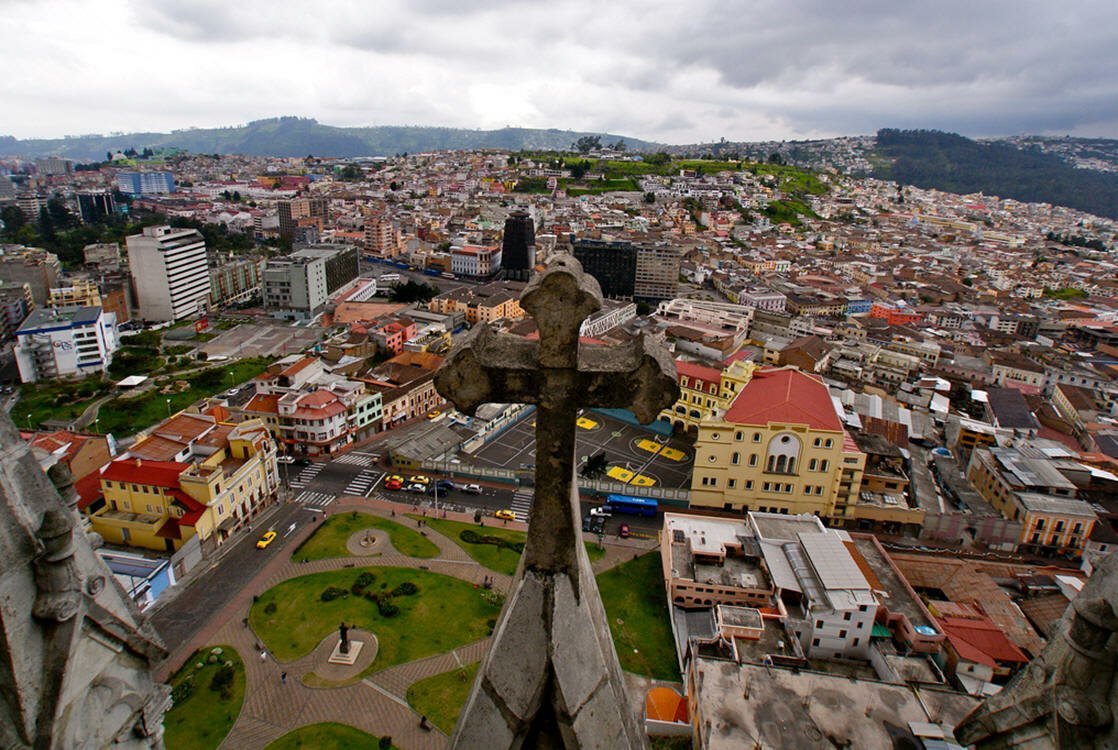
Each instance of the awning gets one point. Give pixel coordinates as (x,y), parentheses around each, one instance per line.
(880,631)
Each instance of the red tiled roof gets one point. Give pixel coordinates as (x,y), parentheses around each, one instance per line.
(302,364)
(981,641)
(321,397)
(693,371)
(151,473)
(787,396)
(88,489)
(267,403)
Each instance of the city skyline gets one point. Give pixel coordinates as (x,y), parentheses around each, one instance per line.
(660,72)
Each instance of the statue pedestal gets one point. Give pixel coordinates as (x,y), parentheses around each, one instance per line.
(337,657)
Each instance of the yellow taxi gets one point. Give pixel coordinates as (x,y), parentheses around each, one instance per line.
(419,479)
(264,541)
(506,514)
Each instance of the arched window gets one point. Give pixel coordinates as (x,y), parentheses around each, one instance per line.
(783,452)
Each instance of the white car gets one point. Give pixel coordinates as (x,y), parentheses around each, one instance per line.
(472,489)
(233,391)
(286,459)
(600,512)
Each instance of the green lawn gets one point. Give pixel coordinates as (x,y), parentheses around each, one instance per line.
(498,559)
(442,697)
(63,399)
(328,736)
(444,614)
(329,540)
(201,718)
(637,610)
(126,415)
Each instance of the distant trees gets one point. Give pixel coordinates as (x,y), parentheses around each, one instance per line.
(658,159)
(412,291)
(587,143)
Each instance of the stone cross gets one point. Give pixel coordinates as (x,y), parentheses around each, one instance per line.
(551,678)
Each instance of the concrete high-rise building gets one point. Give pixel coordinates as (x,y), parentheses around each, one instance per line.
(293,212)
(170,273)
(145,183)
(15,305)
(54,165)
(298,285)
(33,266)
(95,205)
(657,273)
(518,246)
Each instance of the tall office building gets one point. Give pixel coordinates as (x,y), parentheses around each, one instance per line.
(657,273)
(94,206)
(63,342)
(613,264)
(170,273)
(298,285)
(518,246)
(295,213)
(145,183)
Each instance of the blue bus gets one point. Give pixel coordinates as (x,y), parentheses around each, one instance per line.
(632,506)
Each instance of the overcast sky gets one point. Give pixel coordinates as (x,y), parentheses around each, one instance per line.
(676,72)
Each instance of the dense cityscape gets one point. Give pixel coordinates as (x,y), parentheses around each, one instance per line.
(891,466)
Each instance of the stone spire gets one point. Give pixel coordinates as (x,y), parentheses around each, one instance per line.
(1067,697)
(75,657)
(551,679)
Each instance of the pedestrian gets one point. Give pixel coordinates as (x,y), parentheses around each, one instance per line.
(283,678)
(263,656)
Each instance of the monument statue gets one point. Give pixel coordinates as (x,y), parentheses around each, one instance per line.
(1068,696)
(551,678)
(75,654)
(343,631)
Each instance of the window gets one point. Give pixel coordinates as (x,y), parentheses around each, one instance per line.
(749,484)
(815,642)
(855,641)
(817,442)
(713,435)
(739,436)
(756,437)
(1059,526)
(846,615)
(731,483)
(735,458)
(824,465)
(818,623)
(842,634)
(765,487)
(752,459)
(813,464)
(828,443)
(712,458)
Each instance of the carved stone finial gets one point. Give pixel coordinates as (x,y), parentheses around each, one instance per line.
(57,579)
(551,678)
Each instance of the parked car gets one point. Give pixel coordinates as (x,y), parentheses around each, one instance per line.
(420,479)
(472,489)
(587,523)
(601,510)
(392,483)
(506,514)
(264,541)
(285,459)
(623,532)
(416,487)
(444,485)
(233,391)
(597,525)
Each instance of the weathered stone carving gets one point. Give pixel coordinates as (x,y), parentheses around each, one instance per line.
(551,678)
(75,655)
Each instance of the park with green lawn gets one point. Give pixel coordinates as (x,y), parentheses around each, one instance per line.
(329,540)
(330,736)
(639,620)
(441,698)
(208,692)
(412,613)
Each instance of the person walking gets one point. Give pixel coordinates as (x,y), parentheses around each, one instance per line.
(283,678)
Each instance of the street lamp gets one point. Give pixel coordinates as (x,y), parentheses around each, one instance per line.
(29,427)
(97,425)
(168,407)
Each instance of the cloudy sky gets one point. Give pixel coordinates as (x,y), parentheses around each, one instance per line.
(671,71)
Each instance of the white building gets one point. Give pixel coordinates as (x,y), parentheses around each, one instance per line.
(64,342)
(475,260)
(830,604)
(170,273)
(298,285)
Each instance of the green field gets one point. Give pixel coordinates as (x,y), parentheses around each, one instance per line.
(201,717)
(329,539)
(442,697)
(637,610)
(498,559)
(128,414)
(444,614)
(62,399)
(326,736)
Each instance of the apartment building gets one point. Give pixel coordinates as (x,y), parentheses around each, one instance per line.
(298,285)
(235,280)
(712,561)
(192,476)
(301,212)
(78,293)
(477,261)
(145,183)
(33,266)
(15,305)
(65,342)
(170,273)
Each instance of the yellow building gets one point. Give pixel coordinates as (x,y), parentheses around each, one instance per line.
(1033,492)
(705,392)
(160,504)
(779,448)
(80,293)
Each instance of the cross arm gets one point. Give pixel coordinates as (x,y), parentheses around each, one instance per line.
(639,376)
(487,368)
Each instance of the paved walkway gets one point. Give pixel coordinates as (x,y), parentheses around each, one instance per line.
(377,704)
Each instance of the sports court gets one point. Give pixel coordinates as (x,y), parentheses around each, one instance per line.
(635,456)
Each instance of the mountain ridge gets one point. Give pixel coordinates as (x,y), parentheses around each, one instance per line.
(298,136)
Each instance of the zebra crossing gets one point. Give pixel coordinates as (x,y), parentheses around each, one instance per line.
(363,483)
(521,504)
(306,476)
(357,459)
(317,499)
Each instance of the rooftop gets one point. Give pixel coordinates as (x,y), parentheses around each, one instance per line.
(786,396)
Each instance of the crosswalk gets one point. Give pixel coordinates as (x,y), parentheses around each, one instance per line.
(317,499)
(521,504)
(357,459)
(307,475)
(363,483)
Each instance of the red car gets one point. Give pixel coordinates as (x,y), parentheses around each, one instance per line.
(623,532)
(393,484)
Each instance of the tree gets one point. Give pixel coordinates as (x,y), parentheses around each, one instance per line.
(13,219)
(579,169)
(658,159)
(46,227)
(643,308)
(619,146)
(587,143)
(595,466)
(650,197)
